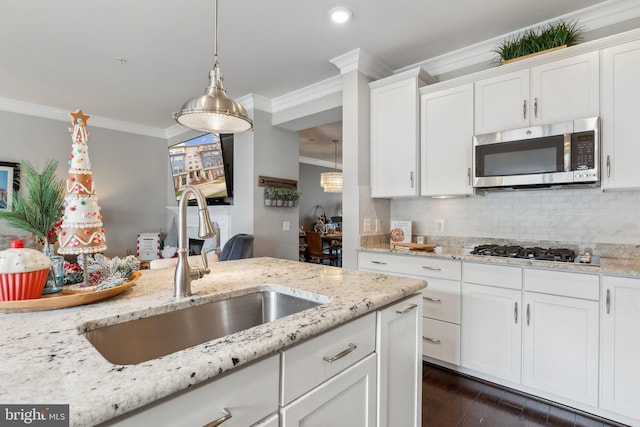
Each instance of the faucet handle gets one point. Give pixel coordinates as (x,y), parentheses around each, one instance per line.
(205,260)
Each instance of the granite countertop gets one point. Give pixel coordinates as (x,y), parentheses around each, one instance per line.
(608,265)
(46,359)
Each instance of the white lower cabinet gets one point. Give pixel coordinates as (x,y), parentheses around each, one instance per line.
(561,346)
(348,399)
(620,347)
(399,364)
(203,404)
(560,334)
(491,334)
(440,299)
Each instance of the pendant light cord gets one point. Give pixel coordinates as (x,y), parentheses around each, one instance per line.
(215,32)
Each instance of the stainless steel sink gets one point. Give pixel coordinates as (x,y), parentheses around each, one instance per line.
(151,337)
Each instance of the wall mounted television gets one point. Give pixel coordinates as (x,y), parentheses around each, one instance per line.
(205,162)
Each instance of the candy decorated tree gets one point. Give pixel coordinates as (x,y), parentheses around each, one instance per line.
(81,230)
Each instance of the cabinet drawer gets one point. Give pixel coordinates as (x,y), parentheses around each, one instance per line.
(492,275)
(441,300)
(569,284)
(411,265)
(441,340)
(304,365)
(202,404)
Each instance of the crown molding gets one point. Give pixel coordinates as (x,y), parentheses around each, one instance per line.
(46,112)
(365,63)
(307,94)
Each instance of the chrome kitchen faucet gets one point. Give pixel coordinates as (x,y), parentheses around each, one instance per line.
(184,273)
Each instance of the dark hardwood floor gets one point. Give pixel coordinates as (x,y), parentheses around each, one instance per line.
(451,399)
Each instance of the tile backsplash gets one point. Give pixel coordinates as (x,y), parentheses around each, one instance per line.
(583,216)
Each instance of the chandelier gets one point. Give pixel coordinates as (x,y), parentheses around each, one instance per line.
(332,181)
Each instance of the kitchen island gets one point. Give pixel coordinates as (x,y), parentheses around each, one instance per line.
(47,359)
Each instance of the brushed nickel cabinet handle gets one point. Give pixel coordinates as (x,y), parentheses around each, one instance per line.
(426,267)
(608,301)
(535,107)
(608,166)
(340,355)
(406,310)
(515,312)
(432,299)
(469,176)
(220,420)
(379,262)
(411,179)
(528,314)
(433,340)
(524,109)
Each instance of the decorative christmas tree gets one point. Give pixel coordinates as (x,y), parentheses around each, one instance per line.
(81,230)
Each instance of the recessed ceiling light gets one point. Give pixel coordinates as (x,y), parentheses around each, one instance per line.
(340,14)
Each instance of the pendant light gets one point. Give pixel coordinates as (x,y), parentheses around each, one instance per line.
(332,181)
(214,112)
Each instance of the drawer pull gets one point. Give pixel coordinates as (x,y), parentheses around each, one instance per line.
(379,262)
(432,299)
(431,268)
(608,301)
(406,310)
(340,355)
(433,340)
(220,420)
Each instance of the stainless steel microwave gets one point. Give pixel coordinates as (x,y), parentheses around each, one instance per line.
(559,154)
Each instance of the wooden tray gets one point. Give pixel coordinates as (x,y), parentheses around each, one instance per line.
(66,298)
(417,246)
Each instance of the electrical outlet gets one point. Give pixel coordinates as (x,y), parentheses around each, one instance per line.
(366,228)
(439,225)
(286,225)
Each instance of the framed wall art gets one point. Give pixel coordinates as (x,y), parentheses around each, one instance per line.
(9,183)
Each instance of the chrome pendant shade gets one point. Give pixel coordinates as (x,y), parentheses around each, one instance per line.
(331,182)
(214,112)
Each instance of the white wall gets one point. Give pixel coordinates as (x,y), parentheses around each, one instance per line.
(578,215)
(127,170)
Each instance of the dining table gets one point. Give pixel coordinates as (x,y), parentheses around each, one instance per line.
(332,241)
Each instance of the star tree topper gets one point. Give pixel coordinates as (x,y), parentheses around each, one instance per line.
(79,118)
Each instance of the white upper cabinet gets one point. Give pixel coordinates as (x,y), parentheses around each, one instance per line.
(445,142)
(561,90)
(395,133)
(502,102)
(620,112)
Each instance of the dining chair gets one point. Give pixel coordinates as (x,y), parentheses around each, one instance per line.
(238,246)
(316,250)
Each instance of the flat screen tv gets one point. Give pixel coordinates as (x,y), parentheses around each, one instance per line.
(206,162)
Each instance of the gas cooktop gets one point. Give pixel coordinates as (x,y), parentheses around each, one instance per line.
(536,253)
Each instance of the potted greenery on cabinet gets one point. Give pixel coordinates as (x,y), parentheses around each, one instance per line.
(532,42)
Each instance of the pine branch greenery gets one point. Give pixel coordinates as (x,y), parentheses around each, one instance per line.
(36,208)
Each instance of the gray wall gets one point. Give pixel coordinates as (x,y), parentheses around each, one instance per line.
(275,154)
(313,195)
(127,170)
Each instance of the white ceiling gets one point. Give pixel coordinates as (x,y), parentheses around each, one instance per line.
(62,54)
